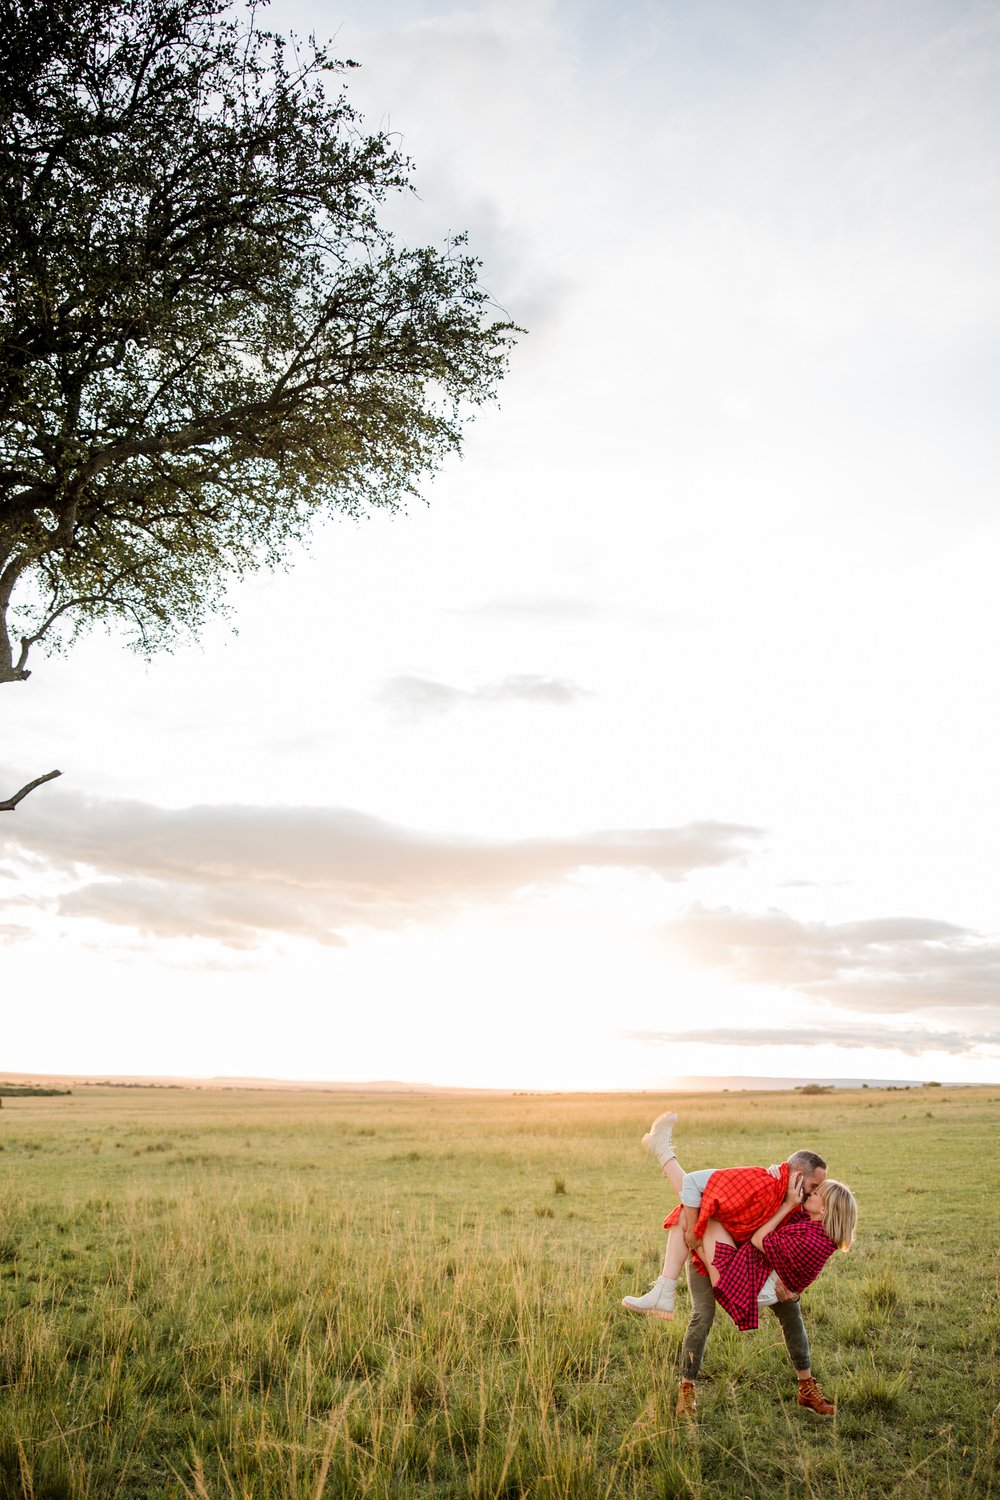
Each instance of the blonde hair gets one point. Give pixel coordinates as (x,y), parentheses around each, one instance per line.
(840,1212)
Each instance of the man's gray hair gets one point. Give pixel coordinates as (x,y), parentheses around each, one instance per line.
(806,1161)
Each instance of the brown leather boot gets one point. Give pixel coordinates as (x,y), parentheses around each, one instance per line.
(810,1395)
(687,1399)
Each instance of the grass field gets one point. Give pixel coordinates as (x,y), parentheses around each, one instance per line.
(257,1294)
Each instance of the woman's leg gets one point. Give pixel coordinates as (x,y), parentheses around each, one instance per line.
(714,1235)
(674,1173)
(659,1139)
(676,1254)
(659,1142)
(659,1300)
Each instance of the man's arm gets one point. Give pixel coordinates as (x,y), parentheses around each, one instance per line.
(691,1193)
(689,1218)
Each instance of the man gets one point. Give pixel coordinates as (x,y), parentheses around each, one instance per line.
(741,1199)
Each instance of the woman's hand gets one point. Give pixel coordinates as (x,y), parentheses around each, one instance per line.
(794,1193)
(792,1199)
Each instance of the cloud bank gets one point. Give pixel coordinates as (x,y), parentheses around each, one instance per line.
(236,874)
(913,1041)
(885,965)
(536,609)
(417,697)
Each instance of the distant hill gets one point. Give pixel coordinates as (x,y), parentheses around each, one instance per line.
(752,1084)
(689,1085)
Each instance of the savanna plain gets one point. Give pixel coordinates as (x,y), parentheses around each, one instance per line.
(209,1294)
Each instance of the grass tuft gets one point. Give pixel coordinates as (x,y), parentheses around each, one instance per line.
(876,1390)
(880,1293)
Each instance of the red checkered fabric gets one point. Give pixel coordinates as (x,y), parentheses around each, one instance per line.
(743,1273)
(798,1252)
(741,1198)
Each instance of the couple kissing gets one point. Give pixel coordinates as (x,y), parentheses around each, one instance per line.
(749,1237)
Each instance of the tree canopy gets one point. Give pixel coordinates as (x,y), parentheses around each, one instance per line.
(208,337)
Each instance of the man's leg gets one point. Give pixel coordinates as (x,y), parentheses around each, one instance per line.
(695,1338)
(789,1315)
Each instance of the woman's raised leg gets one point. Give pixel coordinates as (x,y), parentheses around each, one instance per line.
(674,1173)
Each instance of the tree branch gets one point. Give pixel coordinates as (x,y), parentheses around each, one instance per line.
(107,596)
(10,803)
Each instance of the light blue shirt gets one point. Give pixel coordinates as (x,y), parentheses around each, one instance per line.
(694,1185)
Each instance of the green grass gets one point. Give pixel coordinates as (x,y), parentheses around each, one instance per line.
(276,1295)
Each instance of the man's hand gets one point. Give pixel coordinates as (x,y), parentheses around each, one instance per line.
(782,1293)
(689,1223)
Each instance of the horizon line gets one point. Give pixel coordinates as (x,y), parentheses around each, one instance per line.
(687,1083)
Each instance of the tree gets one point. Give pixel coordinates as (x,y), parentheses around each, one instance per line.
(208,338)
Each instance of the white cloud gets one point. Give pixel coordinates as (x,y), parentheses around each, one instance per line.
(911,1041)
(886,964)
(233,874)
(537,609)
(412,698)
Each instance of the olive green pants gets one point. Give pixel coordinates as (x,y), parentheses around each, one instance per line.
(703,1305)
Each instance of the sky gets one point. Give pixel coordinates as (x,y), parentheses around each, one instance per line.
(661,741)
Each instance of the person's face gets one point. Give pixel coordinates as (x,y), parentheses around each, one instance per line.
(811,1181)
(813,1204)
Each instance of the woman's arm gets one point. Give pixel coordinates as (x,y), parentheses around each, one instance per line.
(792,1200)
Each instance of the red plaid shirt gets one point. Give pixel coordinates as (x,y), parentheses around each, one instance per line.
(798,1251)
(742,1199)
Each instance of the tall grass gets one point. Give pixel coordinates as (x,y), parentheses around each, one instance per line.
(256,1295)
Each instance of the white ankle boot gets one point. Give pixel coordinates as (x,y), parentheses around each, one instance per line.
(659,1140)
(658,1301)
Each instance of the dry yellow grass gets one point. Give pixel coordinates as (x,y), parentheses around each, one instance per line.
(304,1295)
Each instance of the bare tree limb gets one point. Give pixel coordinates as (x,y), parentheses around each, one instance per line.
(10,803)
